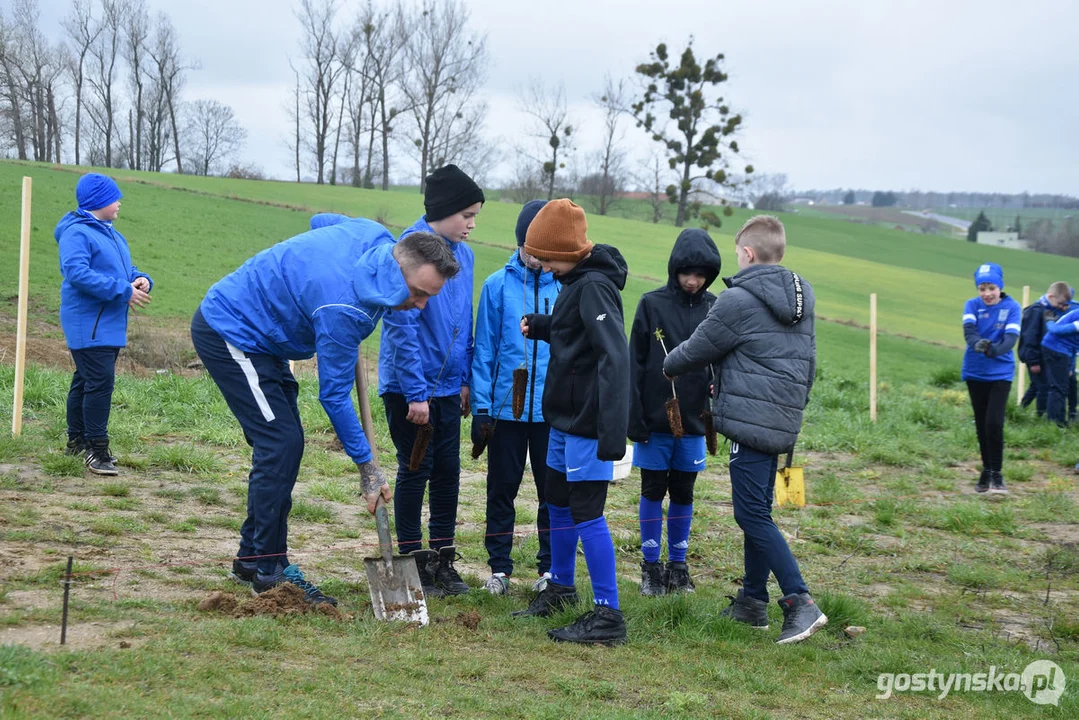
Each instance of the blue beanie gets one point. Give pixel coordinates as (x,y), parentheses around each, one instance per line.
(528,214)
(94,192)
(989,273)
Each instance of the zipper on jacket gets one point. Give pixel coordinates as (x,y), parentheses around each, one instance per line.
(93,333)
(535,352)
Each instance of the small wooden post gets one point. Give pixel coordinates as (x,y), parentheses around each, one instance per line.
(24,292)
(873,357)
(1021,381)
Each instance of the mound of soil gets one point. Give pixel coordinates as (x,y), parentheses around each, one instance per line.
(286,599)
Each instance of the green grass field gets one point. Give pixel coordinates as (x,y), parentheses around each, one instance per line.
(893,538)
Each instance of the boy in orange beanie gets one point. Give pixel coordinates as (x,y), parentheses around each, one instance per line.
(587,407)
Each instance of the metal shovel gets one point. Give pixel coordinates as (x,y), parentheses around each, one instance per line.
(396,592)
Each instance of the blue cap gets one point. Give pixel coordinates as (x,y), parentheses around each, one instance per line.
(528,214)
(94,192)
(989,273)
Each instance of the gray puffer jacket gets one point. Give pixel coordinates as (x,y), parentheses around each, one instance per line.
(761,334)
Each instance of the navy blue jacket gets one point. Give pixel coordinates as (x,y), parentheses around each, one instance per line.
(1033,329)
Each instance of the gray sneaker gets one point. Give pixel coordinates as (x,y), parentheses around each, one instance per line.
(497,584)
(996,483)
(748,610)
(801,618)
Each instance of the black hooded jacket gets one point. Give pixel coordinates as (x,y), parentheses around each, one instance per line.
(588,373)
(676,314)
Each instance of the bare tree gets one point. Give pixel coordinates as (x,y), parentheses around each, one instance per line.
(136,38)
(551,125)
(614,103)
(9,64)
(169,72)
(35,67)
(444,67)
(654,179)
(293,110)
(326,52)
(214,135)
(380,42)
(83,31)
(358,98)
(768,191)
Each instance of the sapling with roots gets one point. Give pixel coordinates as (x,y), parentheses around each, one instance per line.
(674,410)
(425,432)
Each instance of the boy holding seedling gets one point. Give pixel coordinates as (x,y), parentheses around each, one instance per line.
(760,332)
(100,286)
(1050,306)
(424,373)
(666,425)
(322,292)
(991,326)
(508,373)
(586,404)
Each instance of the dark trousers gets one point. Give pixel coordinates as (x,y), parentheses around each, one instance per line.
(505,470)
(89,399)
(753,475)
(261,392)
(441,465)
(1058,369)
(989,400)
(1038,393)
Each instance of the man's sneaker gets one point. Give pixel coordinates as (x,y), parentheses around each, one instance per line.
(497,584)
(98,459)
(551,599)
(678,579)
(75,446)
(243,573)
(653,579)
(292,574)
(446,577)
(748,610)
(983,482)
(541,583)
(996,483)
(426,560)
(600,626)
(801,618)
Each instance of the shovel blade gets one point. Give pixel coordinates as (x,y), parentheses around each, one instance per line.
(396,592)
(790,487)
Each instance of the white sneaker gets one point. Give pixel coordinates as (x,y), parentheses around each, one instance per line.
(541,584)
(497,584)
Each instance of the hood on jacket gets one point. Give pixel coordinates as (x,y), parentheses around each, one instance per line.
(321,220)
(780,290)
(377,277)
(75,217)
(604,259)
(694,248)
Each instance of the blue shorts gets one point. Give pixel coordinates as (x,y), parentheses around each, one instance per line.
(576,457)
(665,452)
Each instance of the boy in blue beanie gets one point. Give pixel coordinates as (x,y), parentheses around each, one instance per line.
(991,326)
(510,432)
(100,286)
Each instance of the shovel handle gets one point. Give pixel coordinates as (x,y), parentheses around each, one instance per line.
(382,522)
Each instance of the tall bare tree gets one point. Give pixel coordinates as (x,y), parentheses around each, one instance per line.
(326,52)
(136,39)
(82,30)
(444,67)
(614,103)
(12,89)
(36,66)
(357,98)
(380,42)
(214,135)
(105,57)
(551,126)
(169,70)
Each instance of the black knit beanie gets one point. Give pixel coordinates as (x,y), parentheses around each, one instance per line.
(449,191)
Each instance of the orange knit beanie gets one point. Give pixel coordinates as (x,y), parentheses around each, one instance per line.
(558,232)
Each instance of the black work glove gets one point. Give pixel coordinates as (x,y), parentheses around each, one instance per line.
(479,421)
(982,346)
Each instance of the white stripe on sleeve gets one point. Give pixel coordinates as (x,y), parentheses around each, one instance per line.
(1012,326)
(967,317)
(252,381)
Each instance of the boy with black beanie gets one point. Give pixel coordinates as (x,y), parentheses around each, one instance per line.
(424,374)
(586,404)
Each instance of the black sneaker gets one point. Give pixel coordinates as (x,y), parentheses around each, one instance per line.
(550,600)
(983,482)
(801,618)
(243,573)
(292,574)
(75,446)
(678,579)
(446,577)
(653,579)
(748,610)
(996,483)
(600,626)
(98,459)
(426,560)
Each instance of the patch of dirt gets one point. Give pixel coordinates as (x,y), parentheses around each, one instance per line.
(470,619)
(219,601)
(80,636)
(1059,533)
(286,599)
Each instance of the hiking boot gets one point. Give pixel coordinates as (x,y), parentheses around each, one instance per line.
(98,459)
(541,583)
(801,618)
(678,579)
(243,573)
(292,574)
(497,584)
(75,446)
(983,482)
(446,577)
(551,599)
(599,626)
(653,579)
(425,563)
(996,483)
(748,610)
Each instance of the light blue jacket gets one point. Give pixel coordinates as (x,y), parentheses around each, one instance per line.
(323,292)
(507,295)
(97,269)
(417,343)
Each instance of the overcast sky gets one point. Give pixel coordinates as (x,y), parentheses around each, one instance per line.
(878,94)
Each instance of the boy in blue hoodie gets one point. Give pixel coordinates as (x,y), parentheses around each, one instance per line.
(424,373)
(511,432)
(1059,348)
(322,292)
(100,285)
(1050,306)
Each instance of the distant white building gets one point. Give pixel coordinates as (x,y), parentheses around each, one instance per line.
(1003,239)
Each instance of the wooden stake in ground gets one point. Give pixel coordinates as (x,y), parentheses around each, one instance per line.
(24,291)
(674,410)
(1021,381)
(873,357)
